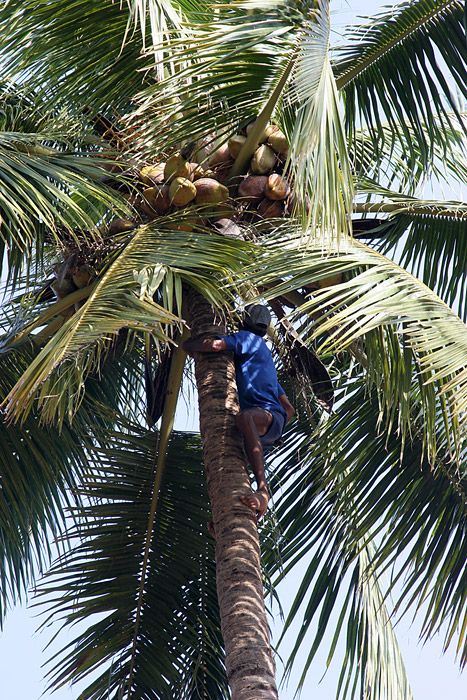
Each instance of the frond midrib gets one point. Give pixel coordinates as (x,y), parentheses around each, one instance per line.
(372,57)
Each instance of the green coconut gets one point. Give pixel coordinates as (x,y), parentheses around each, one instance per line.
(263,160)
(176,166)
(182,191)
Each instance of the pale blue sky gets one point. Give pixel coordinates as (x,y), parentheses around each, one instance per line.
(432,675)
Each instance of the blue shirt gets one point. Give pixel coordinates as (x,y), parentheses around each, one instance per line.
(255,372)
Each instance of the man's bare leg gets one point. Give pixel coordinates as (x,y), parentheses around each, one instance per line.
(252,424)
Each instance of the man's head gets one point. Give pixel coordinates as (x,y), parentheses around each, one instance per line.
(256,319)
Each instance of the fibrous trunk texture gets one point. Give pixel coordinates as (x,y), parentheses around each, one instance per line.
(249,660)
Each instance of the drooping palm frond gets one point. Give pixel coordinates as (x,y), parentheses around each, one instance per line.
(427,38)
(39,475)
(154,257)
(52,177)
(73,51)
(356,502)
(404,329)
(44,189)
(403,165)
(431,242)
(173,647)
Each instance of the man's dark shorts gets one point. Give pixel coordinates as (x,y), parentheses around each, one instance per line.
(275,430)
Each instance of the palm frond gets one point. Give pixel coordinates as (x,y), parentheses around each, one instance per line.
(357,502)
(431,242)
(73,51)
(154,258)
(318,157)
(403,165)
(52,177)
(427,39)
(404,328)
(179,650)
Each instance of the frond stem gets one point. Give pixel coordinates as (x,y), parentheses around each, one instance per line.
(173,388)
(252,141)
(364,63)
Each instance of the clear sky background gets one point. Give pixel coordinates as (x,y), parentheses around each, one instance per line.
(433,676)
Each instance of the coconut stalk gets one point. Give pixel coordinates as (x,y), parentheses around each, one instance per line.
(253,138)
(248,656)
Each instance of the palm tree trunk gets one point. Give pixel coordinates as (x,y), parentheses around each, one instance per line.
(249,660)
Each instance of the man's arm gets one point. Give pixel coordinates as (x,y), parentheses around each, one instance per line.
(287,406)
(204,345)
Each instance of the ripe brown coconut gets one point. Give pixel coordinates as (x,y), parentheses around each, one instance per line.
(269,209)
(210,191)
(82,275)
(252,189)
(277,187)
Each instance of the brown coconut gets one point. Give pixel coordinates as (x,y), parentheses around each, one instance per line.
(270,210)
(227,227)
(278,140)
(196,171)
(210,191)
(277,187)
(182,191)
(219,156)
(222,172)
(82,275)
(152,174)
(121,225)
(158,199)
(263,160)
(176,166)
(235,145)
(252,188)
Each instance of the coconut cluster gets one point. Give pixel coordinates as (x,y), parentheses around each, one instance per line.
(201,186)
(163,187)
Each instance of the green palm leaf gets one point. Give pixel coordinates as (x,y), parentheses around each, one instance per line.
(403,325)
(429,239)
(175,650)
(427,37)
(408,517)
(404,165)
(73,51)
(121,298)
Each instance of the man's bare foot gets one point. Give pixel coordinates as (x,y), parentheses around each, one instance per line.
(258,501)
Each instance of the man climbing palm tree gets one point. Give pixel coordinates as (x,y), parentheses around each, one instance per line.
(264,406)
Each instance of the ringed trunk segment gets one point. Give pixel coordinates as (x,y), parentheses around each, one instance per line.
(249,660)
